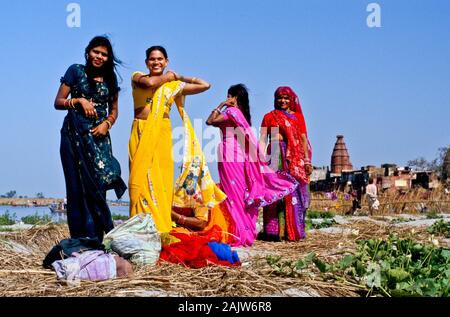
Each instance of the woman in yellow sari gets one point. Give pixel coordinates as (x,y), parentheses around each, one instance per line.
(150,146)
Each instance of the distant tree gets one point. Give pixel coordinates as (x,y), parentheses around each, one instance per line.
(11,194)
(40,195)
(436,165)
(419,163)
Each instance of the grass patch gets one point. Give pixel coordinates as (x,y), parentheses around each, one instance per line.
(314,214)
(36,219)
(120,217)
(434,215)
(7,219)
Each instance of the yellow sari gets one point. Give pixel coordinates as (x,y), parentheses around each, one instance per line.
(150,156)
(194,188)
(151,164)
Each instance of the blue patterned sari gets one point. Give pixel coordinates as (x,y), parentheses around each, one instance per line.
(90,169)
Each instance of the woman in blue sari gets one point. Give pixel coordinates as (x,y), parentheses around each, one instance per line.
(89,167)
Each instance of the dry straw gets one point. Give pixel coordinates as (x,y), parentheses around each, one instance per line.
(21,273)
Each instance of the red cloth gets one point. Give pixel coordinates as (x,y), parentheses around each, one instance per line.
(193,249)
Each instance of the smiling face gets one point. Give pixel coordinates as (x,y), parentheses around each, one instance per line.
(156,63)
(98,56)
(284,102)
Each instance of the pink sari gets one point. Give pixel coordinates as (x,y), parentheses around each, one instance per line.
(245,177)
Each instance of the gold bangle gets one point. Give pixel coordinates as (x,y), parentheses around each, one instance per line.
(108,123)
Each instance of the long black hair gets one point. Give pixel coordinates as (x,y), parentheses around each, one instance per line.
(108,70)
(240,91)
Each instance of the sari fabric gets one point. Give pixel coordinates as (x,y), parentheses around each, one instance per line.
(194,188)
(90,169)
(285,220)
(245,176)
(150,157)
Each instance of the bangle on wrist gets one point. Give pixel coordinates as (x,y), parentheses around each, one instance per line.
(111,119)
(108,123)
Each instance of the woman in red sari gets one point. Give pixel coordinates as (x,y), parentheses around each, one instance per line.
(290,151)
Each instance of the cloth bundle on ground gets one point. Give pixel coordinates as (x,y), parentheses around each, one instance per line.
(94,265)
(137,239)
(199,250)
(66,247)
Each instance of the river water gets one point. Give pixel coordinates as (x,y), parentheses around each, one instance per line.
(18,212)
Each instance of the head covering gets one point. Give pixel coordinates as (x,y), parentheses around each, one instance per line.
(295,103)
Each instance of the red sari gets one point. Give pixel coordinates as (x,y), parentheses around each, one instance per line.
(286,220)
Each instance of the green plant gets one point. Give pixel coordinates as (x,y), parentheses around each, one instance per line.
(395,268)
(288,267)
(119,217)
(434,215)
(36,219)
(314,214)
(441,228)
(326,223)
(392,267)
(401,220)
(7,219)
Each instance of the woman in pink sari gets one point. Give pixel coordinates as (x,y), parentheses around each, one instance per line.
(290,151)
(244,174)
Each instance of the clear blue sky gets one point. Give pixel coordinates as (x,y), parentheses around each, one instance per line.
(385,89)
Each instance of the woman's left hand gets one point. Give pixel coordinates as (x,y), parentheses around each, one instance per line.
(175,75)
(101,130)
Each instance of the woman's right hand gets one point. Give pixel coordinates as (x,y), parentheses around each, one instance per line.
(88,107)
(230,102)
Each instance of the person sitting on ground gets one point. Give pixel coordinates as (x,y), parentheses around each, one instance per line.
(195,219)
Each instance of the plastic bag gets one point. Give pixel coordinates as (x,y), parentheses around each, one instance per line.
(137,240)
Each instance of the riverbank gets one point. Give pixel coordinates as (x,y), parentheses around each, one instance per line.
(268,268)
(28,202)
(42,202)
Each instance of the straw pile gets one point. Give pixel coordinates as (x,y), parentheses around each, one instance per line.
(21,273)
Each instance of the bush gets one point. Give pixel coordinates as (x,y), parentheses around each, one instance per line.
(36,219)
(7,219)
